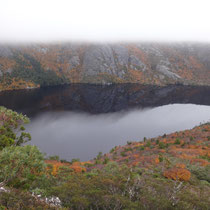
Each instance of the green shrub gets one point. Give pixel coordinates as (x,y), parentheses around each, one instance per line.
(75,160)
(177,141)
(148,144)
(17,199)
(12,129)
(21,166)
(112,150)
(54,157)
(162,145)
(128,149)
(141,148)
(160,158)
(123,154)
(106,160)
(191,138)
(99,156)
(202,173)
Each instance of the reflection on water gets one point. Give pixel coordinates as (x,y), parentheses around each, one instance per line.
(81,135)
(78,121)
(101,99)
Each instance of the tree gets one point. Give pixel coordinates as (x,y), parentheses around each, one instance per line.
(20,166)
(12,129)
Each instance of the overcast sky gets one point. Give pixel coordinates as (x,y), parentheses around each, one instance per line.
(104,20)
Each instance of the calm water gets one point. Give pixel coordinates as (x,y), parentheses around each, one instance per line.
(79,121)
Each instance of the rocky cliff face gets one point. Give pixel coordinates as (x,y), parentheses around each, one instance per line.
(145,63)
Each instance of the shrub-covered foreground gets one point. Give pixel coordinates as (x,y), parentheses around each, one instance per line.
(169,172)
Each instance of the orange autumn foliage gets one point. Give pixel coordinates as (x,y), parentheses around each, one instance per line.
(180,165)
(76,166)
(55,166)
(18,84)
(175,173)
(202,162)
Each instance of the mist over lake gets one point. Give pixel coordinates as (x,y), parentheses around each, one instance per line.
(78,121)
(81,135)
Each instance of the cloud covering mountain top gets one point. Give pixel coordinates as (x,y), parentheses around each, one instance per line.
(104,20)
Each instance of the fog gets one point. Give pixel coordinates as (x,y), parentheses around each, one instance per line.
(104,20)
(81,135)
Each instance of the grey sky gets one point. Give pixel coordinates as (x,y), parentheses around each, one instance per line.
(104,20)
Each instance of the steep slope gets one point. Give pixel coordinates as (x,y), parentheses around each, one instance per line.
(146,63)
(167,172)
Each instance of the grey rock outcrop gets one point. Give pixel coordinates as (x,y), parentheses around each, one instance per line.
(111,59)
(160,63)
(121,57)
(166,71)
(136,63)
(164,68)
(5,51)
(99,59)
(74,62)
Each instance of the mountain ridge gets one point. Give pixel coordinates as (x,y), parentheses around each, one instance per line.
(35,65)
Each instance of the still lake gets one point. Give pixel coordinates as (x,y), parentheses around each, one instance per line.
(78,121)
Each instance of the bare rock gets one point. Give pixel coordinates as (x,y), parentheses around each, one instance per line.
(99,59)
(136,63)
(74,62)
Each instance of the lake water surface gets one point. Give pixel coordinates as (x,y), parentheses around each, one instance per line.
(78,121)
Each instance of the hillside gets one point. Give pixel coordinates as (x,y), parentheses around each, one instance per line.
(37,65)
(167,172)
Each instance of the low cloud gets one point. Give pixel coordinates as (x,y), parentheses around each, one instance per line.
(80,135)
(104,20)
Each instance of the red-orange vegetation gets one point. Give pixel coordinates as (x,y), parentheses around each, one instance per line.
(202,162)
(138,53)
(135,156)
(75,76)
(156,160)
(86,162)
(6,63)
(18,84)
(76,166)
(164,140)
(161,150)
(188,151)
(177,174)
(195,63)
(55,166)
(173,147)
(180,165)
(138,145)
(149,160)
(186,157)
(136,75)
